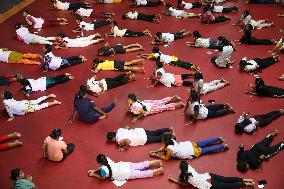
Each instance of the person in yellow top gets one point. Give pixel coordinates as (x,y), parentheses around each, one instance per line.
(117,65)
(8,56)
(187,149)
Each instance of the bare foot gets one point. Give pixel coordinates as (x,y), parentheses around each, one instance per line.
(56,102)
(281,111)
(180,105)
(175,98)
(222,139)
(275,132)
(226,146)
(173,131)
(51,96)
(16,135)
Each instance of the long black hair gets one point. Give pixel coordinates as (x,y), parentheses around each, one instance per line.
(197,76)
(168,140)
(133,97)
(239,127)
(196,34)
(184,174)
(243,64)
(101,159)
(25,83)
(7,95)
(48,48)
(194,96)
(15,173)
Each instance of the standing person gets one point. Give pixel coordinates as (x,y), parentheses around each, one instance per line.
(126,137)
(188,149)
(7,79)
(14,57)
(43,83)
(206,180)
(147,107)
(100,86)
(141,16)
(20,181)
(171,11)
(279,47)
(14,107)
(224,58)
(195,109)
(146,3)
(184,5)
(9,145)
(69,6)
(52,62)
(39,23)
(54,148)
(208,18)
(262,150)
(89,26)
(251,125)
(116,32)
(88,111)
(108,50)
(162,38)
(257,64)
(203,88)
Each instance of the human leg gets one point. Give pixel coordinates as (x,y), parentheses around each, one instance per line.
(266,119)
(70,149)
(221,182)
(209,141)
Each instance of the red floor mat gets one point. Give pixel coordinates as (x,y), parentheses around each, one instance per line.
(90,139)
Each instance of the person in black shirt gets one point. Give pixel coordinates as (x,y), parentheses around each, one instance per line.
(108,50)
(253,157)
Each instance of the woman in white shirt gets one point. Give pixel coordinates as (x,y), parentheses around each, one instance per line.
(14,107)
(189,176)
(141,16)
(69,6)
(171,11)
(89,26)
(162,38)
(251,125)
(89,12)
(184,5)
(257,64)
(224,58)
(146,3)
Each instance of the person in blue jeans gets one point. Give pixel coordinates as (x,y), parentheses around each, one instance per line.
(86,108)
(188,149)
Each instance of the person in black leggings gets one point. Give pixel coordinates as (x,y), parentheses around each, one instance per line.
(72,6)
(88,26)
(189,176)
(257,64)
(108,50)
(253,157)
(136,3)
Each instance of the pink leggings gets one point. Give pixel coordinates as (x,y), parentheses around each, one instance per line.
(158,106)
(138,170)
(5,145)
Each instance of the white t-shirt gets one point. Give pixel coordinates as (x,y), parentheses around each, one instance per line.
(84,12)
(4,56)
(55,61)
(141,2)
(78,42)
(62,6)
(117,32)
(132,15)
(15,107)
(137,136)
(166,79)
(281,42)
(24,34)
(252,67)
(86,26)
(166,59)
(187,5)
(182,150)
(136,107)
(200,84)
(250,127)
(224,56)
(38,21)
(218,9)
(94,85)
(197,180)
(38,84)
(176,13)
(203,111)
(168,37)
(202,42)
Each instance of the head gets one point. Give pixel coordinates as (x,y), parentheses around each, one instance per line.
(114,23)
(220,47)
(159,34)
(258,82)
(239,128)
(47,48)
(197,76)
(6,95)
(168,5)
(124,17)
(111,136)
(193,96)
(184,174)
(56,133)
(16,174)
(159,64)
(102,160)
(79,19)
(249,27)
(242,166)
(25,12)
(96,62)
(61,36)
(242,64)
(18,26)
(207,7)
(155,50)
(196,34)
(246,13)
(131,98)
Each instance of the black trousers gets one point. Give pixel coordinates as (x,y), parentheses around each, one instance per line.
(265,62)
(100,24)
(130,33)
(217,110)
(76,6)
(154,3)
(73,60)
(219,19)
(186,76)
(70,149)
(156,135)
(116,81)
(196,4)
(182,64)
(229,9)
(221,182)
(62,78)
(146,17)
(255,41)
(266,119)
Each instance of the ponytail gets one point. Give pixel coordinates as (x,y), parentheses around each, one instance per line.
(101,158)
(184,174)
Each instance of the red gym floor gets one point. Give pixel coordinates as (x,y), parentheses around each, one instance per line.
(90,139)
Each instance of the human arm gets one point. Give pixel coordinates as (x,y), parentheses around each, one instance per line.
(9,112)
(176,181)
(139,116)
(74,113)
(61,46)
(77,30)
(44,148)
(166,156)
(123,145)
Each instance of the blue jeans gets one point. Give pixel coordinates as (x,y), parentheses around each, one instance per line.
(210,149)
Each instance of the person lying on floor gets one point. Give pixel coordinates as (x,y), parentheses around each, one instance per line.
(52,62)
(279,46)
(188,149)
(65,42)
(189,176)
(122,171)
(169,59)
(260,89)
(262,1)
(20,180)
(100,86)
(167,79)
(116,32)
(7,79)
(43,83)
(215,1)
(88,111)
(14,57)
(222,9)
(89,12)
(117,65)
(262,150)
(39,23)
(22,107)
(184,5)
(89,26)
(108,50)
(155,18)
(9,145)
(24,35)
(257,64)
(207,16)
(171,11)
(246,19)
(251,125)
(203,88)
(146,3)
(127,137)
(140,109)
(108,1)
(195,109)
(165,38)
(224,58)
(56,4)
(54,148)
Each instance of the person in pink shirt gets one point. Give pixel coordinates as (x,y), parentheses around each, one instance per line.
(54,148)
(208,17)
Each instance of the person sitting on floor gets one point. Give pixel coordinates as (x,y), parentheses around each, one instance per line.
(208,17)
(171,11)
(141,16)
(147,107)
(262,150)
(9,145)
(257,64)
(189,176)
(251,125)
(54,148)
(14,57)
(224,58)
(14,107)
(108,50)
(20,181)
(117,65)
(146,3)
(260,89)
(195,109)
(279,47)
(184,5)
(126,137)
(89,26)
(188,149)
(162,38)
